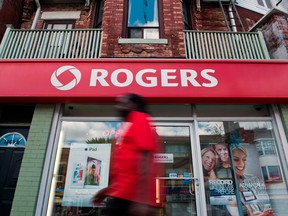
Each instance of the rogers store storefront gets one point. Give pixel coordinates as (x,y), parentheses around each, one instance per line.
(224,144)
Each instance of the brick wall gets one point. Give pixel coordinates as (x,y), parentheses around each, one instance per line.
(211,18)
(275,32)
(10,13)
(248,17)
(28,184)
(112,26)
(84,22)
(173,31)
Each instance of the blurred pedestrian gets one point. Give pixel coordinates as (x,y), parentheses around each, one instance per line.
(131,191)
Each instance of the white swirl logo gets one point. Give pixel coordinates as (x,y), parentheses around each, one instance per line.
(71,69)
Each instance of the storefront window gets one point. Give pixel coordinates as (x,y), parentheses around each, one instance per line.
(241,161)
(82,169)
(241,168)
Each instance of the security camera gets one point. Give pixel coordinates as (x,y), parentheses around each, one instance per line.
(258,107)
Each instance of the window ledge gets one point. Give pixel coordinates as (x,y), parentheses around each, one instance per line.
(141,41)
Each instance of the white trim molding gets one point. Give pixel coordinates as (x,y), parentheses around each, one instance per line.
(61,15)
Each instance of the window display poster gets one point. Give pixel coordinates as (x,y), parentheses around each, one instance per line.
(246,167)
(87,173)
(217,171)
(250,180)
(222,192)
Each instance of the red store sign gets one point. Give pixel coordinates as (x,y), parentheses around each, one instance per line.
(190,81)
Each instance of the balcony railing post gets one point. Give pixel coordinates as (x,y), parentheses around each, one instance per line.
(4,39)
(51,44)
(225,45)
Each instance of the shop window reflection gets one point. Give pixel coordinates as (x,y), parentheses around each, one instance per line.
(271,174)
(84,150)
(265,147)
(258,164)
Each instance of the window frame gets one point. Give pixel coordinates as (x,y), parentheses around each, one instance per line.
(98,14)
(265,3)
(55,22)
(125,28)
(268,171)
(189,24)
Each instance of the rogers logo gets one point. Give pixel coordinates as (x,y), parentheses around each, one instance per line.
(68,69)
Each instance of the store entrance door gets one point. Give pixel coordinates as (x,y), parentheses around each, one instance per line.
(179,183)
(10,163)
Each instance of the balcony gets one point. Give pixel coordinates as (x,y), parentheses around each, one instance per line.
(51,44)
(86,44)
(225,45)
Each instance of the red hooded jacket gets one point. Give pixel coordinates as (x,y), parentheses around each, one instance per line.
(132,168)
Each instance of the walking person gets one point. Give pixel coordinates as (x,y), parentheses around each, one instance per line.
(131,191)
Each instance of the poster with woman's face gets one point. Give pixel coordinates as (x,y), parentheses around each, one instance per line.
(224,166)
(216,165)
(248,173)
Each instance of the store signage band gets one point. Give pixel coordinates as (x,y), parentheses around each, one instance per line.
(179,79)
(167,77)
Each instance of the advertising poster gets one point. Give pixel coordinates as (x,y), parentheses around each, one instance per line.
(217,170)
(222,192)
(87,173)
(251,183)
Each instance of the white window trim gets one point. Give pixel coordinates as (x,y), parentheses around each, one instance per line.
(252,5)
(61,15)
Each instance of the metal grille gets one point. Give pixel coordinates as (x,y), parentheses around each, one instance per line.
(51,44)
(225,45)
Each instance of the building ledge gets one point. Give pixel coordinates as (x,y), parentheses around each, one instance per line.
(141,41)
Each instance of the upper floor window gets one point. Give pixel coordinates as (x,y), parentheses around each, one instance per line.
(98,14)
(265,147)
(265,3)
(187,15)
(143,19)
(58,24)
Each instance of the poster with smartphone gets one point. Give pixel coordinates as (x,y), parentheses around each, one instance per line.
(252,184)
(87,173)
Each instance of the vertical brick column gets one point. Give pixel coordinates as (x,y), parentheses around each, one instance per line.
(25,198)
(275,32)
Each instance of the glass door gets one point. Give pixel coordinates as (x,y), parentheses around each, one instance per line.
(178,185)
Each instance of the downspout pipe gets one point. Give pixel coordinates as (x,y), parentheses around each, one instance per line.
(232,18)
(37,14)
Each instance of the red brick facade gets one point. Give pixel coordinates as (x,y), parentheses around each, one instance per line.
(208,18)
(112,29)
(173,31)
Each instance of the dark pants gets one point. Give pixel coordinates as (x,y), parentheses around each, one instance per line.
(120,207)
(116,207)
